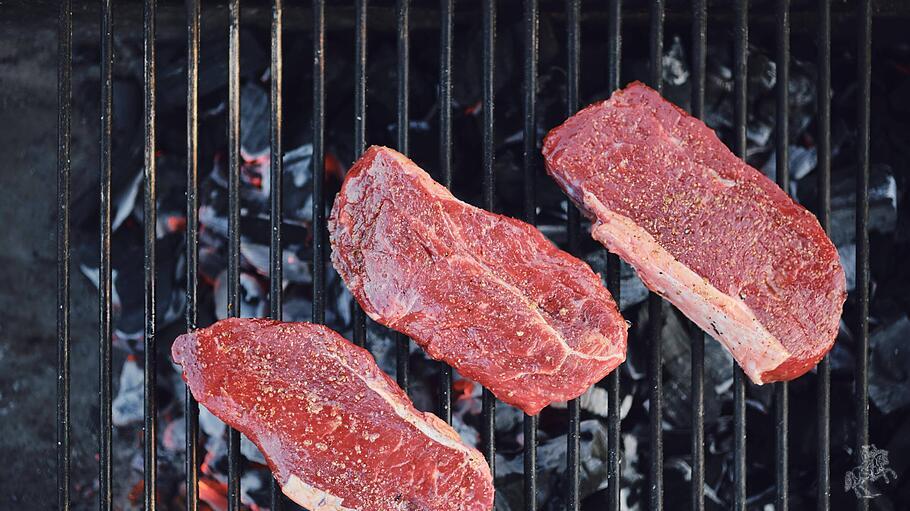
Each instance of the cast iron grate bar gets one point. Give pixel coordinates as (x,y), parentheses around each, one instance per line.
(105,495)
(614,483)
(360,112)
(319,222)
(781,394)
(530,167)
(233,266)
(276,169)
(488,404)
(64,116)
(573,226)
(697,390)
(861,383)
(446,8)
(740,77)
(655,303)
(402,348)
(192,239)
(823,391)
(150,411)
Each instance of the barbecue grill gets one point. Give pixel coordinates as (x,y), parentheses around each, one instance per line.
(612,20)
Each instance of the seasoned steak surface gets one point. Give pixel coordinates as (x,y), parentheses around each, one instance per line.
(703,229)
(336,431)
(485,293)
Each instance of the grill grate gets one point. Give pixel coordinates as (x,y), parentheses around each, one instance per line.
(531,166)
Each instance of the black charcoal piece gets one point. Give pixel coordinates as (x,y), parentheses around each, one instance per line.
(551,470)
(889,371)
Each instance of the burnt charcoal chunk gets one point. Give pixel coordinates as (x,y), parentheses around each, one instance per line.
(889,381)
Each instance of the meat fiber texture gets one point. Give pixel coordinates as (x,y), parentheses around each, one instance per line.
(703,229)
(487,294)
(336,431)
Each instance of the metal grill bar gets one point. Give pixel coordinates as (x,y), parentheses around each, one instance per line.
(740,47)
(446,8)
(64,116)
(150,411)
(823,391)
(319,222)
(276,171)
(360,113)
(192,239)
(401,7)
(573,47)
(104,269)
(488,411)
(781,394)
(655,303)
(861,383)
(233,266)
(697,391)
(614,50)
(530,166)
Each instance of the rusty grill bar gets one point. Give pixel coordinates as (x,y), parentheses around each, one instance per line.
(531,167)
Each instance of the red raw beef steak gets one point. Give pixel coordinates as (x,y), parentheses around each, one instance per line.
(703,229)
(336,431)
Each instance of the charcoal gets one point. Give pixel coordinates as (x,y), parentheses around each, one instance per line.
(841,356)
(249,450)
(882,202)
(469,435)
(254,121)
(125,202)
(594,401)
(762,74)
(508,418)
(127,277)
(676,338)
(675,72)
(632,290)
(128,405)
(253,296)
(173,438)
(294,268)
(802,161)
(212,69)
(847,254)
(209,424)
(889,359)
(551,468)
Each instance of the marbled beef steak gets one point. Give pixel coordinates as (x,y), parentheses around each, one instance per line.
(336,431)
(703,229)
(487,294)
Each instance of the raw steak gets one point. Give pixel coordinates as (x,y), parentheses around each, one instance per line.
(336,431)
(487,294)
(703,229)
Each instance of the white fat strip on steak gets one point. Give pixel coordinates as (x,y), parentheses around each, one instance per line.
(732,321)
(315,499)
